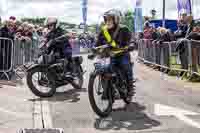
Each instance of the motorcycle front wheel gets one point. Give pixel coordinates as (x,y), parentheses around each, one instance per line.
(97,89)
(41,82)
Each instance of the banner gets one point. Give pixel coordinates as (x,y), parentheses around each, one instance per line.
(184,6)
(138,20)
(138,3)
(84,10)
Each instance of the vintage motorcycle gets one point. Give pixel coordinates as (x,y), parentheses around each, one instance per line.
(51,73)
(111,81)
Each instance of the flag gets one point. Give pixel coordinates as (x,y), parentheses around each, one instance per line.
(138,3)
(84,10)
(184,6)
(138,22)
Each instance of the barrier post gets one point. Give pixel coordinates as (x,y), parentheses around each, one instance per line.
(195,47)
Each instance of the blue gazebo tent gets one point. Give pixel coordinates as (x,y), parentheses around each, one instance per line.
(169,24)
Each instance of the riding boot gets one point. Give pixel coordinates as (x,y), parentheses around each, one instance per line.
(131,90)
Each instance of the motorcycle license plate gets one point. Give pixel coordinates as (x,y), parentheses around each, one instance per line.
(103,61)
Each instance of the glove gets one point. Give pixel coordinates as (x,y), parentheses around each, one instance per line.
(51,43)
(130,48)
(91,56)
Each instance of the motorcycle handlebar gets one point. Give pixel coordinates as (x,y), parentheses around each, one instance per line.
(101,50)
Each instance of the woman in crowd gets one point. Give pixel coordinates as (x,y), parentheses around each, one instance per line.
(147,31)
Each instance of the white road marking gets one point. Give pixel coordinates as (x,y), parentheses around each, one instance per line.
(37,115)
(47,119)
(163,110)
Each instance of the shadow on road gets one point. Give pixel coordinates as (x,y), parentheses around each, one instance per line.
(131,117)
(71,95)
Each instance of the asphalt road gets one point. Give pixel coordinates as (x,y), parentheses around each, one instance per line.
(162,105)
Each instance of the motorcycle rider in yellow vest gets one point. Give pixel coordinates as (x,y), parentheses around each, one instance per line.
(117,36)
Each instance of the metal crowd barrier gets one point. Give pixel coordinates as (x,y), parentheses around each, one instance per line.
(166,56)
(143,46)
(195,57)
(25,52)
(6,54)
(15,55)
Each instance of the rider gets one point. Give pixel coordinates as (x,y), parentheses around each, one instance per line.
(59,40)
(122,36)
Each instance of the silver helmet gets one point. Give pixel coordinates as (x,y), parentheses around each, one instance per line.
(116,14)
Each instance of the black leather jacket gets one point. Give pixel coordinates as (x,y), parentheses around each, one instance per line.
(59,42)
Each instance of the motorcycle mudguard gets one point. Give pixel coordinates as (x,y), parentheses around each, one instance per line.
(43,67)
(37,65)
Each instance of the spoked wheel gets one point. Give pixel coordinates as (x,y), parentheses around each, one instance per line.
(40,82)
(101,107)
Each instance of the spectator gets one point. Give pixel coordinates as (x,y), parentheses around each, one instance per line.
(28,31)
(45,32)
(182,30)
(164,35)
(146,19)
(155,34)
(26,34)
(172,35)
(8,30)
(191,24)
(19,32)
(195,34)
(12,18)
(182,44)
(32,30)
(147,31)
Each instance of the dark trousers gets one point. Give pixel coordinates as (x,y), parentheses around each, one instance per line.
(123,63)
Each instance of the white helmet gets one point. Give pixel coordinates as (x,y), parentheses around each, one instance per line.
(116,14)
(52,20)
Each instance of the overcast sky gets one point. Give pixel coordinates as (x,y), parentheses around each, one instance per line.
(70,10)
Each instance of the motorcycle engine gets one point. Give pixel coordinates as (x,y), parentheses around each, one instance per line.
(78,60)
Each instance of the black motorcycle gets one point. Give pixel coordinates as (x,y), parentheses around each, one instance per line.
(51,73)
(111,81)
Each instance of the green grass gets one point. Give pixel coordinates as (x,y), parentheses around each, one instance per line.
(172,60)
(198,68)
(173,64)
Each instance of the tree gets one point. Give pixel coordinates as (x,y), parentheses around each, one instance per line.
(128,19)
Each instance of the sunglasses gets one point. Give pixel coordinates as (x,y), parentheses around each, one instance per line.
(50,25)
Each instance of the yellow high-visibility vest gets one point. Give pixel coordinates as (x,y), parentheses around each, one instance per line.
(112,42)
(108,37)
